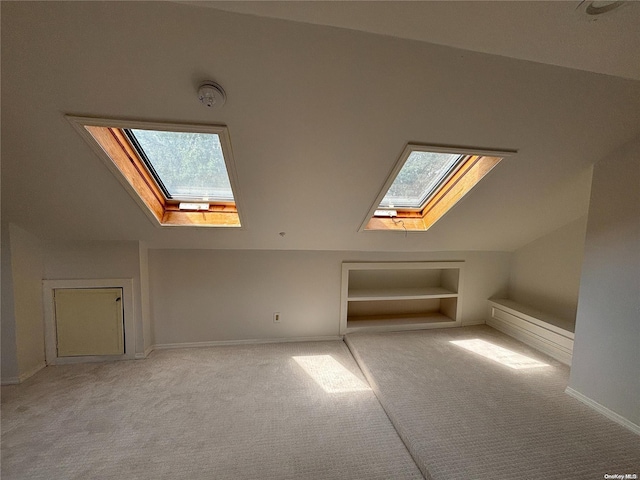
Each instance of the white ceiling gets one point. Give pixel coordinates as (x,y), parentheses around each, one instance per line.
(551,32)
(318,116)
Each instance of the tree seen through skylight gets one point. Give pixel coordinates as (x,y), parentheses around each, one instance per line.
(419,176)
(190,165)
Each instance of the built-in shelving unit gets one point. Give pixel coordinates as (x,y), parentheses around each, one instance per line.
(400,295)
(548,333)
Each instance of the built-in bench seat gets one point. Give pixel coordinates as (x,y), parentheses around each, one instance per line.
(547,333)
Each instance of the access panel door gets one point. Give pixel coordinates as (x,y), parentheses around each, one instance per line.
(89,321)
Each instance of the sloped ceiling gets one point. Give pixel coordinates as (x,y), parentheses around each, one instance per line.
(552,32)
(318,116)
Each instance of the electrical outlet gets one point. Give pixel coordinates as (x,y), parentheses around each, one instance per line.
(276,317)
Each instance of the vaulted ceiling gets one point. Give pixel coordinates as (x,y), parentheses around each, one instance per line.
(321,102)
(552,32)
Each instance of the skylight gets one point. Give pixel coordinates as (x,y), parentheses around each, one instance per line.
(425,184)
(420,175)
(181,175)
(186,165)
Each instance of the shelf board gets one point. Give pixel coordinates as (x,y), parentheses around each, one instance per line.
(414,319)
(415,293)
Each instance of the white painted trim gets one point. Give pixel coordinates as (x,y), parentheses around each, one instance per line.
(473,322)
(32,372)
(256,341)
(541,319)
(399,327)
(10,381)
(79,123)
(24,376)
(610,414)
(457,292)
(145,354)
(531,339)
(534,331)
(91,359)
(128,302)
(411,147)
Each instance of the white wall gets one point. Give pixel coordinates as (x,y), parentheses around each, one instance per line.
(27,270)
(145,300)
(216,295)
(8,324)
(545,273)
(606,356)
(99,260)
(22,322)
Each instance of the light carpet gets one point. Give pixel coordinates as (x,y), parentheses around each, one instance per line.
(277,411)
(465,416)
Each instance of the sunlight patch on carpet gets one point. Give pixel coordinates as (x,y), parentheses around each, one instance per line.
(330,374)
(498,354)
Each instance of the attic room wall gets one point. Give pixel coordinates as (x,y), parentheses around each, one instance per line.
(22,325)
(27,269)
(8,324)
(145,301)
(99,260)
(606,357)
(545,273)
(218,295)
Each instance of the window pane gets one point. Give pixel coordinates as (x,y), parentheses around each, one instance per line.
(421,174)
(190,165)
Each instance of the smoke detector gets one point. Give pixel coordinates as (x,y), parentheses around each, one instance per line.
(211,94)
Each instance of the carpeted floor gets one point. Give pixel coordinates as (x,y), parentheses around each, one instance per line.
(305,411)
(464,416)
(276,411)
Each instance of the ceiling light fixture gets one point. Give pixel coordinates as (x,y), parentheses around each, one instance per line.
(211,94)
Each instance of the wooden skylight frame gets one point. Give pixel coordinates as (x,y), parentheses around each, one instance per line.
(108,139)
(475,164)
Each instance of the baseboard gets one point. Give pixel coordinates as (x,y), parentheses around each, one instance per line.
(166,346)
(145,354)
(24,376)
(603,410)
(32,372)
(474,323)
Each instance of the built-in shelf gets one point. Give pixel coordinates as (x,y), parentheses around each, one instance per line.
(548,333)
(388,296)
(415,293)
(397,322)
